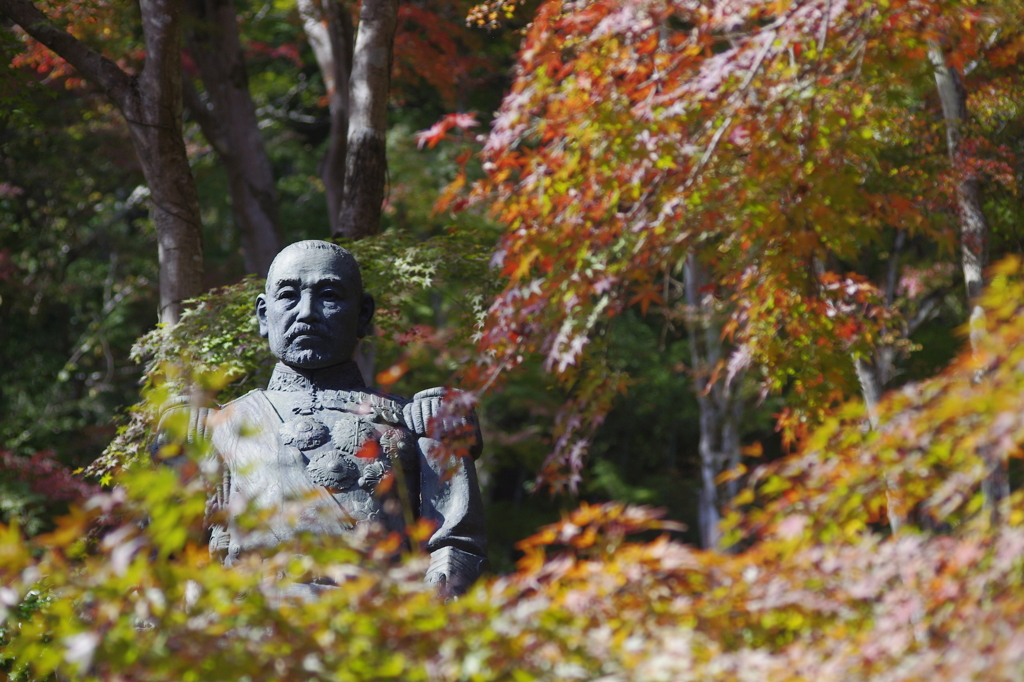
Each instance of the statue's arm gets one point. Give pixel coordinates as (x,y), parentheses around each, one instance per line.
(188,424)
(449,494)
(450,497)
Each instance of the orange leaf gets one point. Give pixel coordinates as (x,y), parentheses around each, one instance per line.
(392,373)
(369,450)
(421,530)
(646,296)
(647,45)
(385,484)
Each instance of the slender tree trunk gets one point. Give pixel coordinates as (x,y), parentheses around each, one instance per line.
(973,225)
(974,230)
(154,120)
(151,105)
(231,127)
(330,32)
(720,408)
(870,386)
(358,78)
(370,83)
(874,372)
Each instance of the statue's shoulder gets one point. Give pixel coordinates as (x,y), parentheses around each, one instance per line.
(371,403)
(198,416)
(252,409)
(256,395)
(182,420)
(375,396)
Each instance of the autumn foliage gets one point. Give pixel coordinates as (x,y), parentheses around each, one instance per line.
(780,145)
(47,477)
(771,141)
(817,586)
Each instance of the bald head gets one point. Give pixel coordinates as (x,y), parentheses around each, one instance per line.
(340,260)
(314,309)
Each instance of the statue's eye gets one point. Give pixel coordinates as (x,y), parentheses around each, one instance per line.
(287,294)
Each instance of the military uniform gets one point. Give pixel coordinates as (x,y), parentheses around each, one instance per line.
(316,457)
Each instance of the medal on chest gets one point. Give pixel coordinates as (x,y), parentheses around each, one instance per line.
(332,442)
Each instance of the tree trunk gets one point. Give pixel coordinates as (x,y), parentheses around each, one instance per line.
(973,225)
(870,386)
(973,228)
(330,32)
(232,128)
(151,105)
(153,112)
(720,407)
(871,383)
(365,158)
(874,373)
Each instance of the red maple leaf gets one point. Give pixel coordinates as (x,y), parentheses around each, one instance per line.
(437,132)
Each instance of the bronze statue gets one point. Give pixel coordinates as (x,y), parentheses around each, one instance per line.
(314,447)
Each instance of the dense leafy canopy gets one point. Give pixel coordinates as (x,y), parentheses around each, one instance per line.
(780,143)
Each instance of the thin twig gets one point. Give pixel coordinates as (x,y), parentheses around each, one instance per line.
(732,103)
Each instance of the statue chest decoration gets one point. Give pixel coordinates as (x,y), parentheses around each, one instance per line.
(349,440)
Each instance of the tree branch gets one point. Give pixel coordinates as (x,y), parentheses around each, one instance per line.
(211,128)
(91,64)
(892,278)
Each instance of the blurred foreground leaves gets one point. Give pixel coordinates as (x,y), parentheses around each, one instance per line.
(817,587)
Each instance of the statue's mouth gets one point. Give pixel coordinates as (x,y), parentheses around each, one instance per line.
(305,333)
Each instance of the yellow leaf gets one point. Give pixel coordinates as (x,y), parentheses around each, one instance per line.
(753,450)
(731,474)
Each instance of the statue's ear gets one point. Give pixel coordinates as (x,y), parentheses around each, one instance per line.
(366,308)
(261,314)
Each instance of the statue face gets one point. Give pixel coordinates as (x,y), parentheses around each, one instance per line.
(314,310)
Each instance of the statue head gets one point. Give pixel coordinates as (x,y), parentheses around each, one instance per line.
(314,309)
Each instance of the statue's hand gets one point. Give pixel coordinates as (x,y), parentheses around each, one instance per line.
(452,571)
(428,405)
(425,406)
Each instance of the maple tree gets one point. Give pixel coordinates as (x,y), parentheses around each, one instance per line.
(38,488)
(760,142)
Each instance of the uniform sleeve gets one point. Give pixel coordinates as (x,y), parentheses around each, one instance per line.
(450,497)
(449,491)
(426,416)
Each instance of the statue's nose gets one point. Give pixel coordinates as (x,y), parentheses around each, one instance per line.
(308,308)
